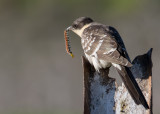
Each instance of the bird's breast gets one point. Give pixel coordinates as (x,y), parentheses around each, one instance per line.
(97,63)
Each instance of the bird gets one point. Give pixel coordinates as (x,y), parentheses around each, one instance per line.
(104,47)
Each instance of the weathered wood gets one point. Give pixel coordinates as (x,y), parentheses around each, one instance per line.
(99,90)
(102,96)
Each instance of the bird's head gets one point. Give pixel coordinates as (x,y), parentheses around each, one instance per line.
(80,24)
(77,27)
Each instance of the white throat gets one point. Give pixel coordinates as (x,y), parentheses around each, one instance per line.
(80,31)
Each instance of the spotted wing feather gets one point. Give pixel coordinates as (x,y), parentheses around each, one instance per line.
(104,46)
(111,52)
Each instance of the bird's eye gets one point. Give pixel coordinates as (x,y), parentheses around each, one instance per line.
(75,26)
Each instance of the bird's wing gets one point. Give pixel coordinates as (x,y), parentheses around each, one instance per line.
(111,51)
(119,40)
(104,46)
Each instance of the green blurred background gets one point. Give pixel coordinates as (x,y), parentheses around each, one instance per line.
(37,76)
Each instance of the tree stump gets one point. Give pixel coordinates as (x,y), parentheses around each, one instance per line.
(102,95)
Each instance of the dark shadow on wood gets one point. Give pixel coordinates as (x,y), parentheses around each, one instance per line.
(99,90)
(142,70)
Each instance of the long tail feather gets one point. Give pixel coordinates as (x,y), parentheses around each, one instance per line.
(132,86)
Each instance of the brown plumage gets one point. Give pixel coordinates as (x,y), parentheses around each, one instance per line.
(104,47)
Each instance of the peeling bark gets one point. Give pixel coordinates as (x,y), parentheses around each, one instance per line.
(103,96)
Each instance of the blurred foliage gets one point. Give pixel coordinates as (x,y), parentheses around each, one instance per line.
(101,5)
(77,5)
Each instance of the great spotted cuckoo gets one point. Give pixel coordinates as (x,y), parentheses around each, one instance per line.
(104,47)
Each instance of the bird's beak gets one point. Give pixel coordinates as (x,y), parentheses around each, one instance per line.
(69,28)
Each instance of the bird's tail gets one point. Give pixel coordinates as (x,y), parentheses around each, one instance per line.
(132,86)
